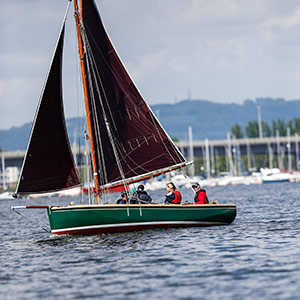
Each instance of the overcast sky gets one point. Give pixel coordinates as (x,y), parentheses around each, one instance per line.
(218,50)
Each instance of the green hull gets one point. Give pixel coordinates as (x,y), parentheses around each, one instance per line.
(95,219)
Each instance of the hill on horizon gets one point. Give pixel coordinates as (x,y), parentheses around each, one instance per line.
(208,119)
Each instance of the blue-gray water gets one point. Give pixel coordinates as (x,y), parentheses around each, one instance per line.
(256,257)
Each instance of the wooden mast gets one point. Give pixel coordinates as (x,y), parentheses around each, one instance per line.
(87,107)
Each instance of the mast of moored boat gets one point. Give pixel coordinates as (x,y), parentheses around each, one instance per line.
(84,77)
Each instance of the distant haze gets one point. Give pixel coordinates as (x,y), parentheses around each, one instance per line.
(208,120)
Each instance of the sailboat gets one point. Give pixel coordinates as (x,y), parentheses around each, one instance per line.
(127,144)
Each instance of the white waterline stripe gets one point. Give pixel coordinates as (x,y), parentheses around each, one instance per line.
(138,224)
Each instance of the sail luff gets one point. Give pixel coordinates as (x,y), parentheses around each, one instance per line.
(57,171)
(39,104)
(85,91)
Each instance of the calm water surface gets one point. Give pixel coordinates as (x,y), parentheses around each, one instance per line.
(256,257)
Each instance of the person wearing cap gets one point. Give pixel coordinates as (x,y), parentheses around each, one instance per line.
(200,194)
(123,199)
(142,195)
(173,196)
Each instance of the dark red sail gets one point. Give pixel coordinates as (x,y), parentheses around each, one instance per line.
(49,164)
(116,105)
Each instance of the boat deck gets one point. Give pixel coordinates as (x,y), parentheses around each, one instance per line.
(150,205)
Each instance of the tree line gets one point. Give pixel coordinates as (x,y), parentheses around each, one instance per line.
(251,130)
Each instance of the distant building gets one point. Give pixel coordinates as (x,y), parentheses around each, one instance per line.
(10,177)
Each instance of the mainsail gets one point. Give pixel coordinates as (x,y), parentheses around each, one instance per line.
(49,164)
(129,141)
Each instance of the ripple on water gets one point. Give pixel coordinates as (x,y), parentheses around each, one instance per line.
(256,257)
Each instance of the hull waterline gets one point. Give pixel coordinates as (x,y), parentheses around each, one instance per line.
(96,219)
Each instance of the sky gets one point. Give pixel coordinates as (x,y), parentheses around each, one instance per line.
(224,51)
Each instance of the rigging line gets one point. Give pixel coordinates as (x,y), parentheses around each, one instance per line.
(141,166)
(97,132)
(102,147)
(108,127)
(146,176)
(134,162)
(78,113)
(98,141)
(115,74)
(138,165)
(33,222)
(113,118)
(91,63)
(117,77)
(154,120)
(162,141)
(105,61)
(187,179)
(85,90)
(105,118)
(87,161)
(98,76)
(122,148)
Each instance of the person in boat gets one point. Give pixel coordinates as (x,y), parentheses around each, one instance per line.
(142,195)
(200,194)
(123,199)
(173,196)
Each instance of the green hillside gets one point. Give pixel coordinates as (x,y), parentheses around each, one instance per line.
(208,119)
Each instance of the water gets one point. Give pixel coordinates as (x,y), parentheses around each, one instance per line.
(256,257)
